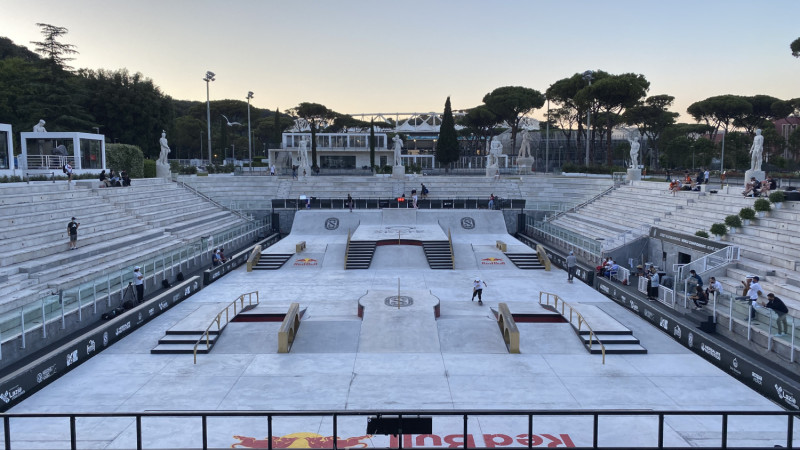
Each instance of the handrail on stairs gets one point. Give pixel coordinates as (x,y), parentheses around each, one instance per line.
(228,318)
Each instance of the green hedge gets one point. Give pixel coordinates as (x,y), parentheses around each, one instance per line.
(149,168)
(126,157)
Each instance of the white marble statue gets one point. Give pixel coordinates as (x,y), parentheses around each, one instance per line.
(39,127)
(756,151)
(495,150)
(634,152)
(398,146)
(162,157)
(302,148)
(525,147)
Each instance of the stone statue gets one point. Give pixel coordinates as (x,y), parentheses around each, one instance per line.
(756,151)
(634,152)
(162,157)
(303,152)
(495,150)
(39,127)
(525,147)
(398,146)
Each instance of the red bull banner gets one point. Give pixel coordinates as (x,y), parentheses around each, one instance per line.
(313,440)
(492,261)
(305,262)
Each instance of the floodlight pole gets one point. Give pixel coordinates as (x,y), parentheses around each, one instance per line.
(209,78)
(249,134)
(547,142)
(588,77)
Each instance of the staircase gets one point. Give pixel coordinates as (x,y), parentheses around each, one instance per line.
(359,254)
(616,343)
(438,254)
(272,261)
(182,342)
(528,261)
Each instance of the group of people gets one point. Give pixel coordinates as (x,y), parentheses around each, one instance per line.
(218,257)
(113,179)
(752,292)
(607,268)
(688,182)
(755,188)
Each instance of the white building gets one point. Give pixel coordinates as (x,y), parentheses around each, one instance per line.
(46,151)
(6,150)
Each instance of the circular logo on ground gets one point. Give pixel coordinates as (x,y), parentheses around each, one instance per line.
(467,223)
(398,301)
(331,223)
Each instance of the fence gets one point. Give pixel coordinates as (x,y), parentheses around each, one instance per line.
(56,304)
(562,235)
(703,265)
(379,203)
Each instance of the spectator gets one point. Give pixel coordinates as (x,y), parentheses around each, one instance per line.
(68,171)
(138,281)
(72,231)
(126,180)
(714,287)
(215,258)
(104,180)
(222,257)
(706,176)
(674,186)
(114,179)
(652,283)
(350,202)
(695,278)
(491,201)
(768,185)
(424,191)
(753,293)
(699,298)
(272,170)
(668,179)
(752,187)
(777,305)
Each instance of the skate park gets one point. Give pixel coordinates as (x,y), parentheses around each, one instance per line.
(397,336)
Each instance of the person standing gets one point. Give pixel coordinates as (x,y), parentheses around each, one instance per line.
(753,292)
(414,198)
(350,202)
(694,276)
(706,176)
(477,289)
(777,305)
(272,170)
(424,191)
(491,204)
(652,285)
(72,231)
(138,281)
(68,171)
(572,265)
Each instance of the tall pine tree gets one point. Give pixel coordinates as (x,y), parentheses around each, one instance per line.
(447,147)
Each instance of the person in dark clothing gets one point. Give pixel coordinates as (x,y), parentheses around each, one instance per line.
(777,305)
(72,231)
(699,298)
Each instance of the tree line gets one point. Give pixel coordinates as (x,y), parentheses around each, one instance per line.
(129,108)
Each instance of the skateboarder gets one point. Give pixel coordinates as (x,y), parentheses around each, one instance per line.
(478,290)
(572,264)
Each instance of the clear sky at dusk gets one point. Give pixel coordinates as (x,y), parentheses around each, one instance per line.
(372,56)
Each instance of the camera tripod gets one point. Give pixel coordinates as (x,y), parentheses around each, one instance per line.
(129,294)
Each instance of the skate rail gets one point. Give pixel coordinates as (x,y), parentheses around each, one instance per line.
(573,315)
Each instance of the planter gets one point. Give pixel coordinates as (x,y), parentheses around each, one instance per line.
(746,221)
(761,214)
(715,237)
(732,230)
(777,205)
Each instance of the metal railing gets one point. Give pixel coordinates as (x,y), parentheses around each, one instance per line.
(701,266)
(380,203)
(578,316)
(582,204)
(460,423)
(38,162)
(218,319)
(56,304)
(563,235)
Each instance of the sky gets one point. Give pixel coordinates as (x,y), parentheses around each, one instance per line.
(360,56)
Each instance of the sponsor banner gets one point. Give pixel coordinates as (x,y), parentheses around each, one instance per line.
(739,366)
(456,440)
(686,240)
(20,384)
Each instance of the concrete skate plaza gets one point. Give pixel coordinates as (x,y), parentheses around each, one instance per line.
(397,358)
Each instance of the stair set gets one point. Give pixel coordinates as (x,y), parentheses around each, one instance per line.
(272,261)
(438,254)
(359,254)
(527,261)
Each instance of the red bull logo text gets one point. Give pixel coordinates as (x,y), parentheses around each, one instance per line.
(305,262)
(313,440)
(493,261)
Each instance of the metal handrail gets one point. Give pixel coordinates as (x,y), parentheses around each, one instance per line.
(581,319)
(347,249)
(218,319)
(452,255)
(580,205)
(707,263)
(212,201)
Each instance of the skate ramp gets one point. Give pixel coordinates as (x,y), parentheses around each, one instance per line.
(407,328)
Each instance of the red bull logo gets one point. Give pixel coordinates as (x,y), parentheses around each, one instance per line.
(493,261)
(305,262)
(302,440)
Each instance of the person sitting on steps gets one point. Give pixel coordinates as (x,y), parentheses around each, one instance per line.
(699,298)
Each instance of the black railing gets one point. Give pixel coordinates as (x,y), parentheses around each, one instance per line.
(379,203)
(623,440)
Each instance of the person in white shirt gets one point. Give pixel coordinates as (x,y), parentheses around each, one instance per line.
(754,292)
(714,287)
(138,282)
(477,289)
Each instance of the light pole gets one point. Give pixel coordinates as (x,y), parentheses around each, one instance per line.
(209,78)
(249,135)
(722,160)
(588,77)
(547,142)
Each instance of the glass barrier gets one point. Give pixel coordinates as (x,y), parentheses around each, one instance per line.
(110,287)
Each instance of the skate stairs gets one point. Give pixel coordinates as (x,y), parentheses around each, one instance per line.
(359,254)
(272,261)
(527,261)
(182,337)
(438,254)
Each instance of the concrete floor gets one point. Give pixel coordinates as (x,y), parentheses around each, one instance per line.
(395,359)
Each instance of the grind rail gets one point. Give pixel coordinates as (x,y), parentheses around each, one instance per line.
(465,415)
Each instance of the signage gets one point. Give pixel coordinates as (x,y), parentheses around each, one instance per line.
(686,240)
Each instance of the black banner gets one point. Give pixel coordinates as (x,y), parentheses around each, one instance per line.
(27,380)
(743,368)
(686,240)
(213,274)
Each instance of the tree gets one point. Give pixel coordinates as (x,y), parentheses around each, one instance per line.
(613,94)
(479,121)
(511,103)
(447,147)
(764,109)
(720,111)
(795,46)
(574,100)
(56,53)
(651,118)
(315,115)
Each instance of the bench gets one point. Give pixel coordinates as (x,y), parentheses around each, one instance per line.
(300,246)
(288,329)
(502,246)
(508,327)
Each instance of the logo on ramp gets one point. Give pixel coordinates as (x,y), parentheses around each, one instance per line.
(302,440)
(493,261)
(305,262)
(467,223)
(331,223)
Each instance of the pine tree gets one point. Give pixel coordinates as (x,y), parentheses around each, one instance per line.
(447,147)
(55,52)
